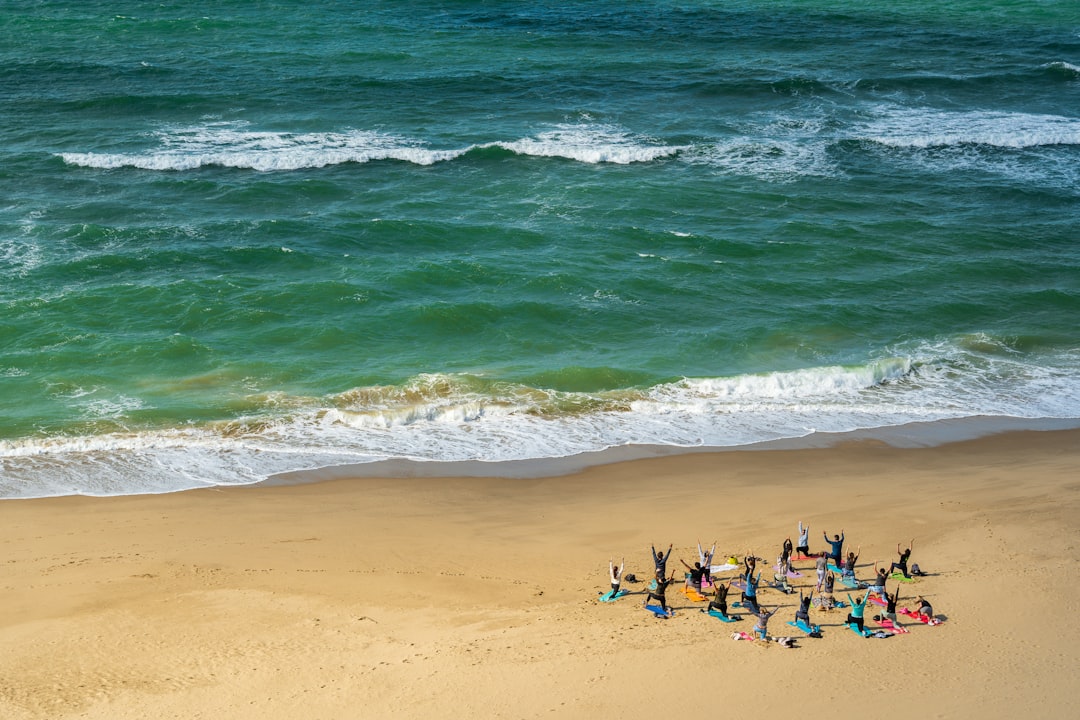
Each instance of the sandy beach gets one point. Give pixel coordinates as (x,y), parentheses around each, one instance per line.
(477,597)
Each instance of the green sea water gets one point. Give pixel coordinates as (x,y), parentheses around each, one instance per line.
(242,238)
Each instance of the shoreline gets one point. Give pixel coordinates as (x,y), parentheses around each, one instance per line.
(909,436)
(409,597)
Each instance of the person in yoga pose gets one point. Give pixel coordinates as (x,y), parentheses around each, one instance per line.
(901,564)
(836,546)
(878,584)
(616,575)
(749,595)
(848,571)
(857,609)
(803,547)
(749,564)
(719,602)
(706,558)
(828,602)
(924,608)
(803,613)
(890,605)
(762,624)
(785,552)
(660,593)
(697,572)
(660,561)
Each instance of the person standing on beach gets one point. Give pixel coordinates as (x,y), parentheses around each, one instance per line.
(706,559)
(901,564)
(822,568)
(803,547)
(660,561)
(785,552)
(836,545)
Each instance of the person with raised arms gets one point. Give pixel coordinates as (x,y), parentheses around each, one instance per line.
(697,572)
(659,593)
(762,625)
(660,561)
(719,602)
(706,558)
(857,610)
(749,596)
(803,547)
(901,564)
(616,575)
(848,571)
(890,606)
(878,584)
(836,545)
(803,613)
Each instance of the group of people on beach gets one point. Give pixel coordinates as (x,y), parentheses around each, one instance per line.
(829,566)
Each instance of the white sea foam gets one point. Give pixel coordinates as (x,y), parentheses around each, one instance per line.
(446,417)
(1062,65)
(232,145)
(905,127)
(592,144)
(228,145)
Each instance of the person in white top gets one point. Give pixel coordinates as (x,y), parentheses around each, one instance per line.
(616,575)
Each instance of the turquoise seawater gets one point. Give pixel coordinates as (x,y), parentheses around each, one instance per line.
(239,238)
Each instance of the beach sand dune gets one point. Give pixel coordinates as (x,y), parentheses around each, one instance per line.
(477,597)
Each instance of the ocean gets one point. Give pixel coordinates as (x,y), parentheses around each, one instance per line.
(240,239)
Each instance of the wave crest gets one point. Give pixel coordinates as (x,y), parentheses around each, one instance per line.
(226,145)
